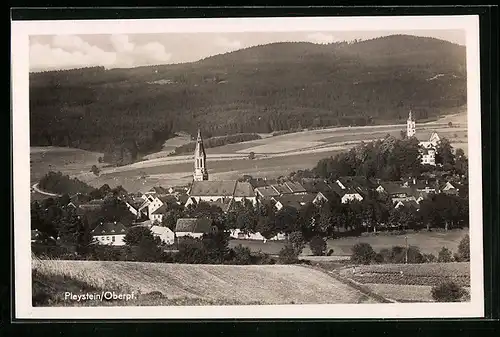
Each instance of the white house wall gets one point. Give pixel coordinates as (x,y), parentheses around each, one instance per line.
(108,240)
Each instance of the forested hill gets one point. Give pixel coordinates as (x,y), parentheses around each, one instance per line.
(259,89)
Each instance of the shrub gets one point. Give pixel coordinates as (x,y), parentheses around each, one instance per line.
(263,258)
(447,292)
(330,252)
(463,254)
(136,234)
(445,255)
(251,155)
(297,241)
(428,258)
(241,255)
(384,256)
(362,253)
(288,255)
(318,245)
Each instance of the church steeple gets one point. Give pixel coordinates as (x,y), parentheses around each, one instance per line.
(410,126)
(200,160)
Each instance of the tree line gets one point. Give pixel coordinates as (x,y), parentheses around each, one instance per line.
(390,159)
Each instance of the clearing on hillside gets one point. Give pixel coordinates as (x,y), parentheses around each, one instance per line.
(265,284)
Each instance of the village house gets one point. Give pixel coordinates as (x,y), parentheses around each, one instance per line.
(166,235)
(157,190)
(245,235)
(134,204)
(109,233)
(158,214)
(407,203)
(294,201)
(428,147)
(321,188)
(351,188)
(194,227)
(266,192)
(451,188)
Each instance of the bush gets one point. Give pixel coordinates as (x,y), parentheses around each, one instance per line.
(241,255)
(429,258)
(297,241)
(445,255)
(318,245)
(447,292)
(263,258)
(463,254)
(362,253)
(288,255)
(330,252)
(136,234)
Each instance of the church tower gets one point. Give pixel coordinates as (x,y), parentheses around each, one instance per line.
(410,126)
(200,160)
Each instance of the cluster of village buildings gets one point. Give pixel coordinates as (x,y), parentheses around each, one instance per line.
(154,204)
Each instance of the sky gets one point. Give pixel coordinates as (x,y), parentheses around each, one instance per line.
(52,52)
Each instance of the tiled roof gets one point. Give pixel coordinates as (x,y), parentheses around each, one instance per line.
(213,188)
(161,210)
(282,188)
(267,191)
(224,204)
(182,198)
(168,199)
(158,190)
(193,225)
(160,230)
(395,188)
(315,186)
(109,228)
(291,200)
(295,187)
(244,189)
(258,183)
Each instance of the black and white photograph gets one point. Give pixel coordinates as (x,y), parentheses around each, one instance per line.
(247,168)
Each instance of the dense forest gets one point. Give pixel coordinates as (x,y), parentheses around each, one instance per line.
(56,182)
(127,113)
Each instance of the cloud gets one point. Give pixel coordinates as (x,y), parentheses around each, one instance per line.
(322,38)
(71,51)
(228,45)
(47,57)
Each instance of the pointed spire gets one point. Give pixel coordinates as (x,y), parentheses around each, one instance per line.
(409,116)
(199,135)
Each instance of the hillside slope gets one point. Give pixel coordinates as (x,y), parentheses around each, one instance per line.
(266,284)
(258,89)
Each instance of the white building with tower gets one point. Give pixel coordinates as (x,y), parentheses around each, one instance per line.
(429,147)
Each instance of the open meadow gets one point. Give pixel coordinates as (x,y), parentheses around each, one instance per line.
(428,242)
(67,160)
(407,282)
(194,284)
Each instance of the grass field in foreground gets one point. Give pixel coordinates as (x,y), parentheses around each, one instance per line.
(264,284)
(428,274)
(404,293)
(428,242)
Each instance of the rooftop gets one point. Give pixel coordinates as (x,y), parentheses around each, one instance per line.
(193,225)
(213,188)
(109,228)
